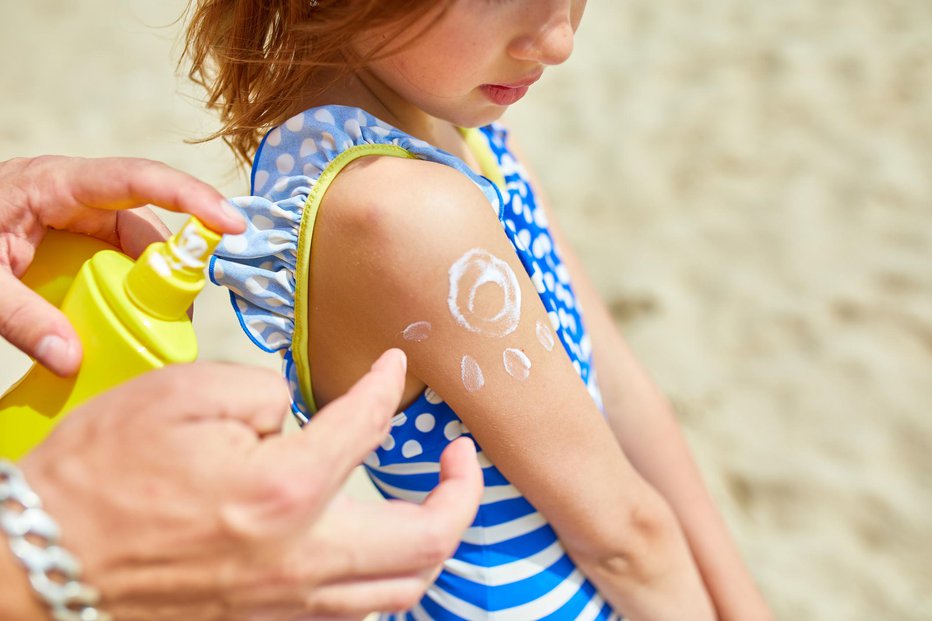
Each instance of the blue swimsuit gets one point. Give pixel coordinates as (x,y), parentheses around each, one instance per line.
(510,564)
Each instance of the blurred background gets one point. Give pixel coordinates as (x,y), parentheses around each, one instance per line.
(749,183)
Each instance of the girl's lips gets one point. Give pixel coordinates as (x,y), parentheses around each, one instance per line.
(503,95)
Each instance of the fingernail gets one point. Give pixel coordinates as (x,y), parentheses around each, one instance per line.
(396,354)
(56,353)
(469,443)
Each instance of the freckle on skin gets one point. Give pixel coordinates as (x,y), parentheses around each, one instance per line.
(419,331)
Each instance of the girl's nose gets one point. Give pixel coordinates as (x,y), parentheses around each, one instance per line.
(551,43)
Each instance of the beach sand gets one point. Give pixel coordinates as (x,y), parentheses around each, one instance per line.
(750,185)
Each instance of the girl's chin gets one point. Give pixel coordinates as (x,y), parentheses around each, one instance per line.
(476,112)
(479,116)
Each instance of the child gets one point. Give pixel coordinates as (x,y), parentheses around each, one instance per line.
(377,220)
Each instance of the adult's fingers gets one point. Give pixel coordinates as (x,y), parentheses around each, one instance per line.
(447,511)
(65,188)
(363,556)
(309,616)
(137,228)
(365,596)
(398,547)
(341,434)
(457,497)
(353,598)
(393,539)
(36,327)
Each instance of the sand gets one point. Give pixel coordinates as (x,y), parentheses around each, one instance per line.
(750,185)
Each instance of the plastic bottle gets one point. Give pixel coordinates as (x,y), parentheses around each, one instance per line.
(130,317)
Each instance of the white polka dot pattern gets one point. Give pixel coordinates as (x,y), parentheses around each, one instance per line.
(425,422)
(411,448)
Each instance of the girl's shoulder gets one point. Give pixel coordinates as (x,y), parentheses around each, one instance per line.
(408,206)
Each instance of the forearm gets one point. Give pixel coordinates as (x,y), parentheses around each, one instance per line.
(651,576)
(648,432)
(17,601)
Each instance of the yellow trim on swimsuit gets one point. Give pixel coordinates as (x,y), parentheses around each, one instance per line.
(299,346)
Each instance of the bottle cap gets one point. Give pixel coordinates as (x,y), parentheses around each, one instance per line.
(169,275)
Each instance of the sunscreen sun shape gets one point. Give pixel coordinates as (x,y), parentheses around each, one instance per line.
(470,272)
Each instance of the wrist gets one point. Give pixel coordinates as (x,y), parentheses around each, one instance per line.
(18,602)
(31,539)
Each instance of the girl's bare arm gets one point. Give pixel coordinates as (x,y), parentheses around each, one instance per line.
(390,256)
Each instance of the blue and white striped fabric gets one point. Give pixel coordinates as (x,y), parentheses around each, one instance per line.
(510,566)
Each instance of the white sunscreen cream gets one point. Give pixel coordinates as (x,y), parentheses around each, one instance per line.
(187,249)
(191,247)
(159,264)
(419,331)
(473,270)
(545,336)
(517,364)
(473,379)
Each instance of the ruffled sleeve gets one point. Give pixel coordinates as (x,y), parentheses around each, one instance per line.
(258,269)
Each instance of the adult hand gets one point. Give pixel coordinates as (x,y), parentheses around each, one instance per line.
(96,197)
(183,501)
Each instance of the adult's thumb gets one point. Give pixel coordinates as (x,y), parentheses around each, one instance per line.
(36,327)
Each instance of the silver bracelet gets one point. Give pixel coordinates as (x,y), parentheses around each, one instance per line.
(33,537)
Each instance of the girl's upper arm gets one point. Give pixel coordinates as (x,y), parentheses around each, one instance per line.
(418,248)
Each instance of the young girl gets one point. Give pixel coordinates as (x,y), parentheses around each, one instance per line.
(380,218)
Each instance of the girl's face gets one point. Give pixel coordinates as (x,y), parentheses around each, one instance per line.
(480,57)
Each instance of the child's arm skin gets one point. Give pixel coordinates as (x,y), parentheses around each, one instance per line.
(646,428)
(381,261)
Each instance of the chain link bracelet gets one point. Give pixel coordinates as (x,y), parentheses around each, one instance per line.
(33,535)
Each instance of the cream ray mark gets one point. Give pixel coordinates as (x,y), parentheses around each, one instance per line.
(473,270)
(545,336)
(517,364)
(471,372)
(419,331)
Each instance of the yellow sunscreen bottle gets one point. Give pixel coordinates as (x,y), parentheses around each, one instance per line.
(130,317)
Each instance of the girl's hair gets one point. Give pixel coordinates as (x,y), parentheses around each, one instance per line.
(259,60)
